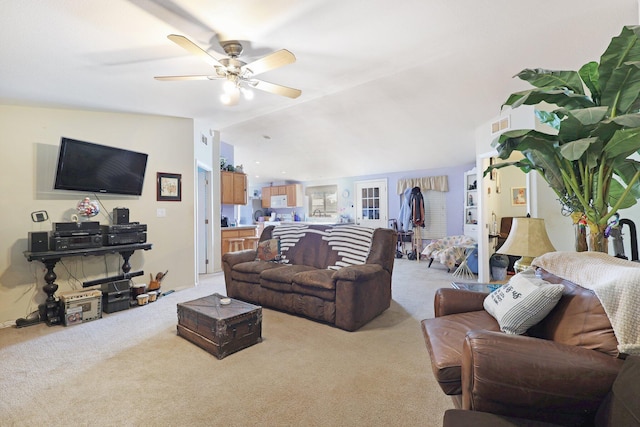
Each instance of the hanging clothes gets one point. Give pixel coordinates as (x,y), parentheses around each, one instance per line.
(405,212)
(417,207)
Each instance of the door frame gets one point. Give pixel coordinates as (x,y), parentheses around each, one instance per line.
(204,221)
(383,183)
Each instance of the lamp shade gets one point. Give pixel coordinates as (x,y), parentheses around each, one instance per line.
(527,238)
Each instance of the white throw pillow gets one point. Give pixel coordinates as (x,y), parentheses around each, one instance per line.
(524,301)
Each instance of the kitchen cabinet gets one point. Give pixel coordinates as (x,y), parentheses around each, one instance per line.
(233,188)
(295,198)
(233,233)
(294,195)
(266,197)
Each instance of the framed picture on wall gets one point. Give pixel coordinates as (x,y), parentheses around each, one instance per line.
(169,187)
(518,196)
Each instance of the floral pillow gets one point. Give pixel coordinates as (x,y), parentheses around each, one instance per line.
(269,250)
(522,302)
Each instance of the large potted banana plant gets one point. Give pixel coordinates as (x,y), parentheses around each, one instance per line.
(594,120)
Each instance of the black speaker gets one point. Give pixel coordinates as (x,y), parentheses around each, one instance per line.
(121,216)
(38,241)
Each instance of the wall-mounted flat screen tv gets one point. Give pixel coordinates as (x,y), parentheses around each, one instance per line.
(85,166)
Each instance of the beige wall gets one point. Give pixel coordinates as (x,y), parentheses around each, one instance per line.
(29,139)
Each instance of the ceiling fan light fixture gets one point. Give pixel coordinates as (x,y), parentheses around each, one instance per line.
(225,98)
(229,87)
(247,93)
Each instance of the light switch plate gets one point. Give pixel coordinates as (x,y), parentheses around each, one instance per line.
(161,212)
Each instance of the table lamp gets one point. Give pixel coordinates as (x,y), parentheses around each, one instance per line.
(528,238)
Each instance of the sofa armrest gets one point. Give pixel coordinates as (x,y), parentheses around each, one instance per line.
(362,293)
(358,272)
(233,258)
(452,301)
(532,378)
(230,259)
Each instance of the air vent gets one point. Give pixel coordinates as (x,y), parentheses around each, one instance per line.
(500,125)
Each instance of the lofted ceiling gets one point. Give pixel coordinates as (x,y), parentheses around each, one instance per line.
(386,86)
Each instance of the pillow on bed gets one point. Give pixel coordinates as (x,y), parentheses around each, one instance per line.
(269,250)
(522,302)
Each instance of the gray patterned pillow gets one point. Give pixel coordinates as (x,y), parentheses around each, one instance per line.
(522,302)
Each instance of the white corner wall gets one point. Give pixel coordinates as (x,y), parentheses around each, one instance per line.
(29,139)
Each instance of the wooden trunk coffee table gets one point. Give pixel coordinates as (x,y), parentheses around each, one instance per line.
(220,329)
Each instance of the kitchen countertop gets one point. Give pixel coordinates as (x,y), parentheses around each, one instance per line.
(239,227)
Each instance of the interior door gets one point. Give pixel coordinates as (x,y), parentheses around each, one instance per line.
(372,207)
(203,222)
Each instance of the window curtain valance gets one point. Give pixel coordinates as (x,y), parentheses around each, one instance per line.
(437,183)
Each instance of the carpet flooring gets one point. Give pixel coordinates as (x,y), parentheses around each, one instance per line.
(131,369)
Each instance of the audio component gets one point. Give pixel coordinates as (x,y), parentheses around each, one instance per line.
(81,306)
(109,239)
(116,296)
(64,229)
(75,242)
(38,241)
(123,228)
(112,278)
(120,216)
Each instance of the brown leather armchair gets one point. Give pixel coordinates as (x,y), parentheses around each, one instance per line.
(619,408)
(559,372)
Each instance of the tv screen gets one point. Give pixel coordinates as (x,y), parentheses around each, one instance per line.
(85,166)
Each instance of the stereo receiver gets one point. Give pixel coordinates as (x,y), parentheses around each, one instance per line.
(75,242)
(110,239)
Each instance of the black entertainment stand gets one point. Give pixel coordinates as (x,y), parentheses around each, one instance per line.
(50,311)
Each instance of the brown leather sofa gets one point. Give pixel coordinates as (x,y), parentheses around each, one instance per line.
(559,371)
(347,297)
(620,408)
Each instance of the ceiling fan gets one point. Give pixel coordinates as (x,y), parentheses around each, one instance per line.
(238,74)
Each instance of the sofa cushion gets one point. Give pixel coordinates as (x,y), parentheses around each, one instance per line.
(444,337)
(522,302)
(318,283)
(250,271)
(322,279)
(279,279)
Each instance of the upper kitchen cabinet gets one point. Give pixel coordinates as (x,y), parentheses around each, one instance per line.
(233,188)
(293,193)
(266,197)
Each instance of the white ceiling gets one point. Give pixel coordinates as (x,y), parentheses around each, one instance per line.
(387,86)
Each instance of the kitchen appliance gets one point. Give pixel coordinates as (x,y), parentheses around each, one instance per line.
(224,221)
(279,201)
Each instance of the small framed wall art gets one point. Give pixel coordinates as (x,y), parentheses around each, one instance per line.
(169,187)
(518,196)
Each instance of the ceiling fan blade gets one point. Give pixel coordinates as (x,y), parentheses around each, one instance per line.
(196,77)
(270,62)
(193,48)
(276,89)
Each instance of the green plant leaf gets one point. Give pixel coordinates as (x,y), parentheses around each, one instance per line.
(624,143)
(621,91)
(561,98)
(621,49)
(541,78)
(520,140)
(627,120)
(575,149)
(589,75)
(580,123)
(616,191)
(626,170)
